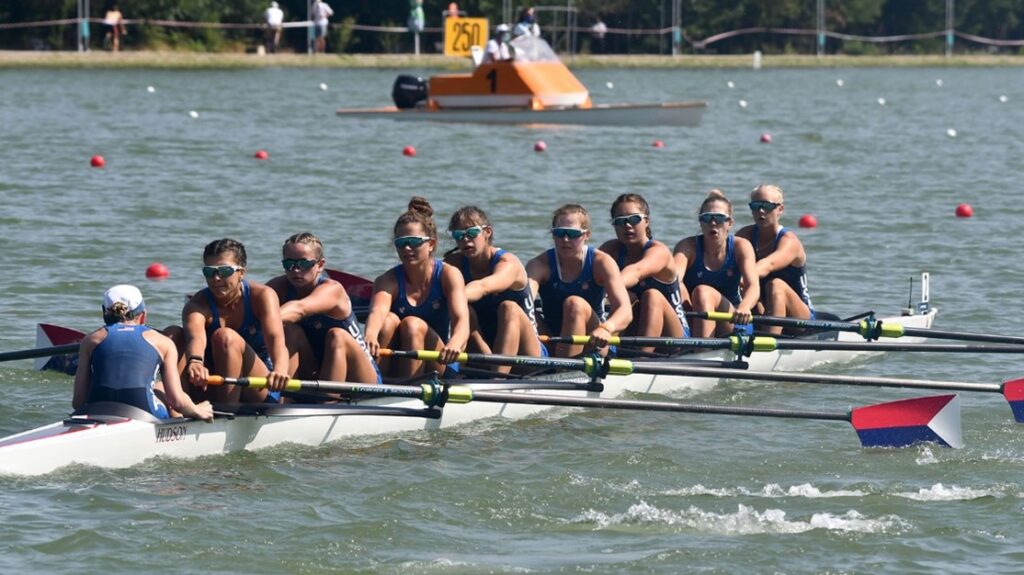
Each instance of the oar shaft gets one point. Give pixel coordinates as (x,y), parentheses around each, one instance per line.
(555,400)
(790,377)
(896,346)
(65,349)
(965,336)
(423,392)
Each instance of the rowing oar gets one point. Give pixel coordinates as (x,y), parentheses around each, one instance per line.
(1012,391)
(869,329)
(893,424)
(746,345)
(65,349)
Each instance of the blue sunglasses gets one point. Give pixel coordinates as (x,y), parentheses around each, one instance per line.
(303,264)
(410,241)
(221,271)
(470,233)
(716,217)
(632,219)
(571,233)
(762,205)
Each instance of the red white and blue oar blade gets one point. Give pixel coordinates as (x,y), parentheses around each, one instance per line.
(906,422)
(359,289)
(1013,391)
(49,335)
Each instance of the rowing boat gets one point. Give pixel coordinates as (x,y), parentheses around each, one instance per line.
(116,436)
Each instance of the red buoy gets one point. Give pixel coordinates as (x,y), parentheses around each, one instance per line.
(766,138)
(808,221)
(540,146)
(157,271)
(409,151)
(964,211)
(261,155)
(97,161)
(658,144)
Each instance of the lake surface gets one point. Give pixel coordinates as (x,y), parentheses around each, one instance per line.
(570,491)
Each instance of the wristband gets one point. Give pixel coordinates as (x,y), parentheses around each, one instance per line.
(198,358)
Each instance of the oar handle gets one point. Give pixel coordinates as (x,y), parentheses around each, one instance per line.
(867,329)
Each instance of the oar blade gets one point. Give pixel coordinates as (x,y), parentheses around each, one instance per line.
(906,422)
(49,335)
(1013,391)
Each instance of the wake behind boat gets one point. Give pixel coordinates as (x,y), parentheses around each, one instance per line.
(117,436)
(534,87)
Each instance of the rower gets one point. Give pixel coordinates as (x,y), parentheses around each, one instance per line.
(321,331)
(497,288)
(714,265)
(648,272)
(119,362)
(233,328)
(781,260)
(572,280)
(421,302)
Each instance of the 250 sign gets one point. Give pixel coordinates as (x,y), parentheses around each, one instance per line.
(461,34)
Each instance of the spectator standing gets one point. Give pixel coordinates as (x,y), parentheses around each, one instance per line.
(598,30)
(321,13)
(113,26)
(274,18)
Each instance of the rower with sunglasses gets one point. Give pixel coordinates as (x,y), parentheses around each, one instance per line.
(233,328)
(497,289)
(781,260)
(715,264)
(648,271)
(420,303)
(573,279)
(321,330)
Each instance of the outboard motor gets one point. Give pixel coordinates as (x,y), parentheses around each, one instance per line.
(408,91)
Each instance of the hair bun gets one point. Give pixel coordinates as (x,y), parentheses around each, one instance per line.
(421,205)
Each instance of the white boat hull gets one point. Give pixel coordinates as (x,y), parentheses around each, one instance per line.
(628,115)
(122,442)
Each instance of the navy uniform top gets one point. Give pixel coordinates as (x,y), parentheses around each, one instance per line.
(668,289)
(554,292)
(794,276)
(251,331)
(434,310)
(725,279)
(124,367)
(486,308)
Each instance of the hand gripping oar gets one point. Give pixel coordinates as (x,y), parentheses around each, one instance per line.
(867,328)
(1012,391)
(893,424)
(745,345)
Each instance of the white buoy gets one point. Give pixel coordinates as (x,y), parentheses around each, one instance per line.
(150,89)
(840,82)
(194,114)
(611,85)
(743,103)
(323,87)
(1003,99)
(938,82)
(881,101)
(951,133)
(730,84)
(757,59)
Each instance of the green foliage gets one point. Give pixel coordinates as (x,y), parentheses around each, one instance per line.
(700,19)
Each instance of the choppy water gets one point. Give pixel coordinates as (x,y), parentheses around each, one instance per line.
(568,491)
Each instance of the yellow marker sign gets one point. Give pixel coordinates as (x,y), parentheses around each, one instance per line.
(460,34)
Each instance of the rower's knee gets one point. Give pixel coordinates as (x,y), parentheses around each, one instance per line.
(225,338)
(412,327)
(705,297)
(652,301)
(575,306)
(508,310)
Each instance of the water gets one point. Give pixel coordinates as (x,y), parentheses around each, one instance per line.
(568,491)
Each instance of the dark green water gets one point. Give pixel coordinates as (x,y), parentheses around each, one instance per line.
(568,491)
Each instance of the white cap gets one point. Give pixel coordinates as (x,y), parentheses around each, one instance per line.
(273,4)
(126,294)
(502,28)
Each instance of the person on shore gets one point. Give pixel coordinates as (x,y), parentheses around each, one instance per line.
(781,260)
(648,271)
(715,264)
(113,28)
(233,328)
(497,288)
(573,279)
(598,32)
(321,13)
(321,330)
(420,304)
(119,362)
(274,18)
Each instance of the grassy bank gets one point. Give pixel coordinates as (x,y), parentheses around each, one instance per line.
(192,60)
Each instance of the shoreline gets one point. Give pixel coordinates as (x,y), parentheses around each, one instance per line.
(10,59)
